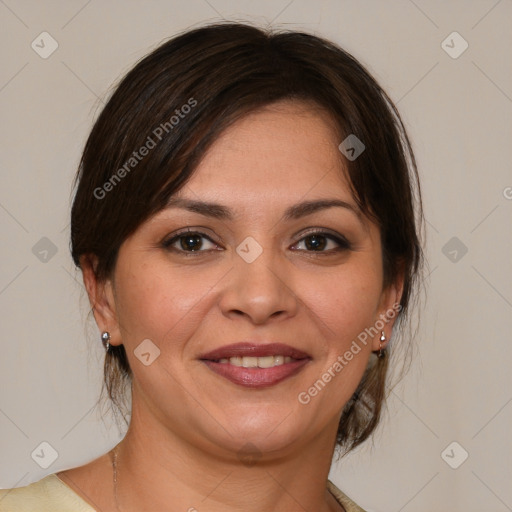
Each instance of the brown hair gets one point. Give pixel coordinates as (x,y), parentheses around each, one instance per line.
(175,103)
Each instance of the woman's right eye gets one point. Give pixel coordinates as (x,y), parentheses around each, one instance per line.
(190,242)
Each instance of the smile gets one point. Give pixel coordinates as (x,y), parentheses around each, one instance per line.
(256,366)
(257,362)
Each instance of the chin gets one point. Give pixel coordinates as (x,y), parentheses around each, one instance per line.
(271,429)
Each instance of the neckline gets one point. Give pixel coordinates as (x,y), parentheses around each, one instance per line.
(338,495)
(347,504)
(76,494)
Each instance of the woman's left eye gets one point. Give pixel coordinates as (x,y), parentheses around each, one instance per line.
(322,242)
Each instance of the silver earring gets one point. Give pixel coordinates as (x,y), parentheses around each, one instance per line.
(382,340)
(105,338)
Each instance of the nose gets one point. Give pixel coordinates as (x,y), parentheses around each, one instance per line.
(260,291)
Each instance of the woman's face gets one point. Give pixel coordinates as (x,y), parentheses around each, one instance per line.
(266,263)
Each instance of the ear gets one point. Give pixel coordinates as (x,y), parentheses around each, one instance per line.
(389,307)
(101,298)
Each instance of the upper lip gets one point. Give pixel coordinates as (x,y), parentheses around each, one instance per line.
(249,349)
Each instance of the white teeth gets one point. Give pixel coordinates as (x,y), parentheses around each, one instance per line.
(266,362)
(249,362)
(257,362)
(278,360)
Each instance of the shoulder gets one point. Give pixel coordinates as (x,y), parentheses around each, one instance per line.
(50,494)
(342,499)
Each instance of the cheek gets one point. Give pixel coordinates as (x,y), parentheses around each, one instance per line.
(345,303)
(156,302)
(344,306)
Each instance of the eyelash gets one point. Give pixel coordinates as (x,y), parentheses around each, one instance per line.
(342,242)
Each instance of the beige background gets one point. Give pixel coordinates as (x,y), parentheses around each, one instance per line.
(458,111)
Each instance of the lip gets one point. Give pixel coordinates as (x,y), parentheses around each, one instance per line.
(255,377)
(249,349)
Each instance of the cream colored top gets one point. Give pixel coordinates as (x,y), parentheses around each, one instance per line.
(51,494)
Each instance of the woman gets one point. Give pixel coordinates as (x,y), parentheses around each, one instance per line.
(244,220)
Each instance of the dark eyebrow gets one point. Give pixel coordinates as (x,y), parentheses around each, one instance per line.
(308,207)
(292,213)
(208,209)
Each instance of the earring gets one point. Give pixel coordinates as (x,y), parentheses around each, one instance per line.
(382,340)
(105,338)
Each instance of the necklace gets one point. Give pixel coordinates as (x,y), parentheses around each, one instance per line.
(114,470)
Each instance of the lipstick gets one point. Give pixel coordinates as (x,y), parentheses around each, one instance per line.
(256,365)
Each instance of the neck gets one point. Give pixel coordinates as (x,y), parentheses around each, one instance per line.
(159,470)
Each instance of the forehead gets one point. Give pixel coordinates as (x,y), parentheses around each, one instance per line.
(287,149)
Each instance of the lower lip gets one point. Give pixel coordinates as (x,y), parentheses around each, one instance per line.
(256,377)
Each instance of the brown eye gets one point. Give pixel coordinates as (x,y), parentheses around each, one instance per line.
(323,242)
(190,242)
(316,242)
